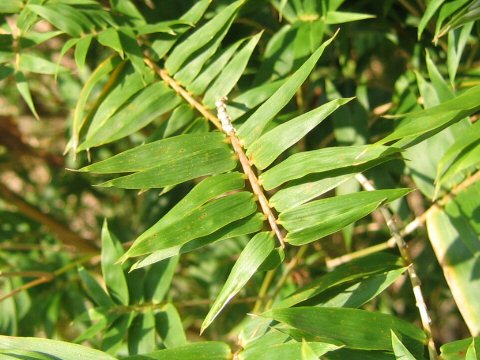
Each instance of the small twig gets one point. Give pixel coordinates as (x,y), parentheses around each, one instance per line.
(29,285)
(65,235)
(407,259)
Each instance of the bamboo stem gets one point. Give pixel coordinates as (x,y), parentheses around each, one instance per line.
(407,259)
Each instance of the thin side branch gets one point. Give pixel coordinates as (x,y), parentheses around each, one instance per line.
(246,166)
(65,235)
(408,229)
(407,259)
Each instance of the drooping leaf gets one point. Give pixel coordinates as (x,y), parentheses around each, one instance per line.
(144,107)
(457,39)
(314,220)
(24,90)
(254,126)
(81,50)
(254,254)
(170,328)
(269,146)
(96,292)
(112,272)
(214,215)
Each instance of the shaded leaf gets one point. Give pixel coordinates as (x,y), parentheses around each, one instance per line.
(400,351)
(252,256)
(211,350)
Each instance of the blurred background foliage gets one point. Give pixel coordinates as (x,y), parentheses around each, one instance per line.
(393,56)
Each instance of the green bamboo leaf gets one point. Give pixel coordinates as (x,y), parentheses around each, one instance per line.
(457,39)
(213,216)
(96,292)
(191,166)
(400,351)
(353,271)
(113,272)
(200,38)
(51,348)
(252,98)
(456,244)
(295,195)
(464,153)
(432,8)
(64,17)
(248,225)
(254,126)
(144,107)
(117,333)
(357,329)
(314,220)
(270,145)
(193,67)
(472,352)
(200,84)
(11,6)
(432,120)
(341,17)
(182,116)
(170,328)
(133,51)
(38,65)
(457,350)
(164,44)
(127,84)
(322,160)
(229,76)
(110,37)
(101,321)
(158,280)
(358,294)
(442,88)
(211,350)
(81,50)
(252,256)
(141,334)
(146,156)
(24,90)
(102,70)
(284,349)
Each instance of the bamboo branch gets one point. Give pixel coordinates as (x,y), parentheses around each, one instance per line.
(407,259)
(65,235)
(246,166)
(409,228)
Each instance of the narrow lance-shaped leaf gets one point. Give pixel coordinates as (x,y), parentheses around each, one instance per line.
(322,160)
(358,329)
(314,220)
(199,222)
(147,156)
(24,91)
(51,348)
(96,292)
(229,76)
(268,147)
(199,38)
(169,326)
(147,105)
(437,117)
(254,254)
(254,126)
(432,8)
(112,272)
(211,350)
(103,69)
(248,225)
(141,334)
